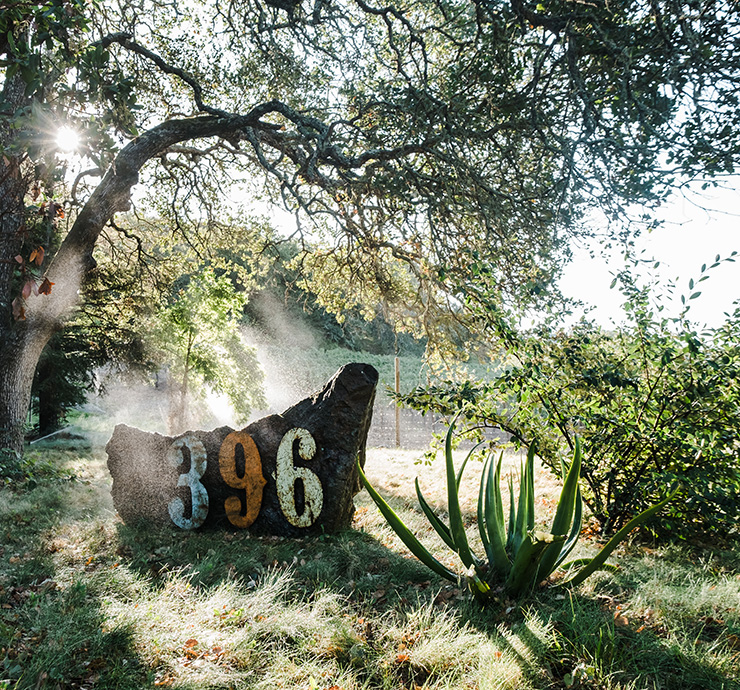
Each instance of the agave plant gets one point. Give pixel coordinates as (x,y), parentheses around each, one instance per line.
(517,557)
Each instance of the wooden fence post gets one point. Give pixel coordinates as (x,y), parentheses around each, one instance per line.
(398,409)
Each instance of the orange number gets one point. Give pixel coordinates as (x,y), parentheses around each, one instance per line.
(251,481)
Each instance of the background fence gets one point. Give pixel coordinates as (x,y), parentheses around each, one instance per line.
(415,429)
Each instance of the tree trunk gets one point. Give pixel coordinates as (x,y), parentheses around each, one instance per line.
(18,359)
(51,411)
(16,370)
(23,335)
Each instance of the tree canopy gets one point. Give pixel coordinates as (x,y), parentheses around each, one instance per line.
(462,140)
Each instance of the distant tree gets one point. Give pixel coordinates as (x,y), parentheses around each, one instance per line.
(130,321)
(362,324)
(63,376)
(196,338)
(461,138)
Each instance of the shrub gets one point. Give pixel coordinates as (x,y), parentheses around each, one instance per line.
(10,464)
(654,402)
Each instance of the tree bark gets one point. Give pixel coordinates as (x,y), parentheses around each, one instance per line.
(18,359)
(16,370)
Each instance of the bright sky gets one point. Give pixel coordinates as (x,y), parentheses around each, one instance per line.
(691,236)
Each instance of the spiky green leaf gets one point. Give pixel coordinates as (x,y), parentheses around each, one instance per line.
(523,574)
(481,509)
(403,532)
(512,517)
(494,518)
(575,532)
(457,527)
(598,561)
(525,509)
(568,503)
(439,527)
(470,454)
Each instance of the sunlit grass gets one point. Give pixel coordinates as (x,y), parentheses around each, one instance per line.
(88,602)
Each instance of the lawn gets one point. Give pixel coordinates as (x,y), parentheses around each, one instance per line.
(89,602)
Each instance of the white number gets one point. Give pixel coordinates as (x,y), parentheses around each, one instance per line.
(198,459)
(288,474)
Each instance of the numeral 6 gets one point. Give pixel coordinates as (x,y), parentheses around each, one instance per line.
(288,474)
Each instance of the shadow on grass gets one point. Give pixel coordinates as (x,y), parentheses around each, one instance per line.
(54,632)
(389,603)
(592,635)
(63,564)
(352,563)
(594,642)
(374,580)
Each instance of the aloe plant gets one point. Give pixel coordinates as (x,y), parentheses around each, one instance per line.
(517,557)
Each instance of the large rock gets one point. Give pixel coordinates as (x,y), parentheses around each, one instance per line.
(289,474)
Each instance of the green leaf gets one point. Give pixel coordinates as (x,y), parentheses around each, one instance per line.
(457,527)
(481,508)
(458,479)
(439,526)
(493,527)
(598,561)
(403,532)
(575,532)
(580,562)
(525,510)
(567,505)
(568,495)
(523,574)
(512,517)
(530,488)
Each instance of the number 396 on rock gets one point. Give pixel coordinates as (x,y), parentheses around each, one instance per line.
(243,509)
(291,474)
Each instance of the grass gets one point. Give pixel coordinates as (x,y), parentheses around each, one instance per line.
(89,602)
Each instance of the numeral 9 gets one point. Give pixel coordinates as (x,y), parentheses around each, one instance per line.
(252,481)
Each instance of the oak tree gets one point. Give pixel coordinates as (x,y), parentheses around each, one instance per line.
(464,138)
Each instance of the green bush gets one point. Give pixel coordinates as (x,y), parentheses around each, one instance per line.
(654,402)
(10,464)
